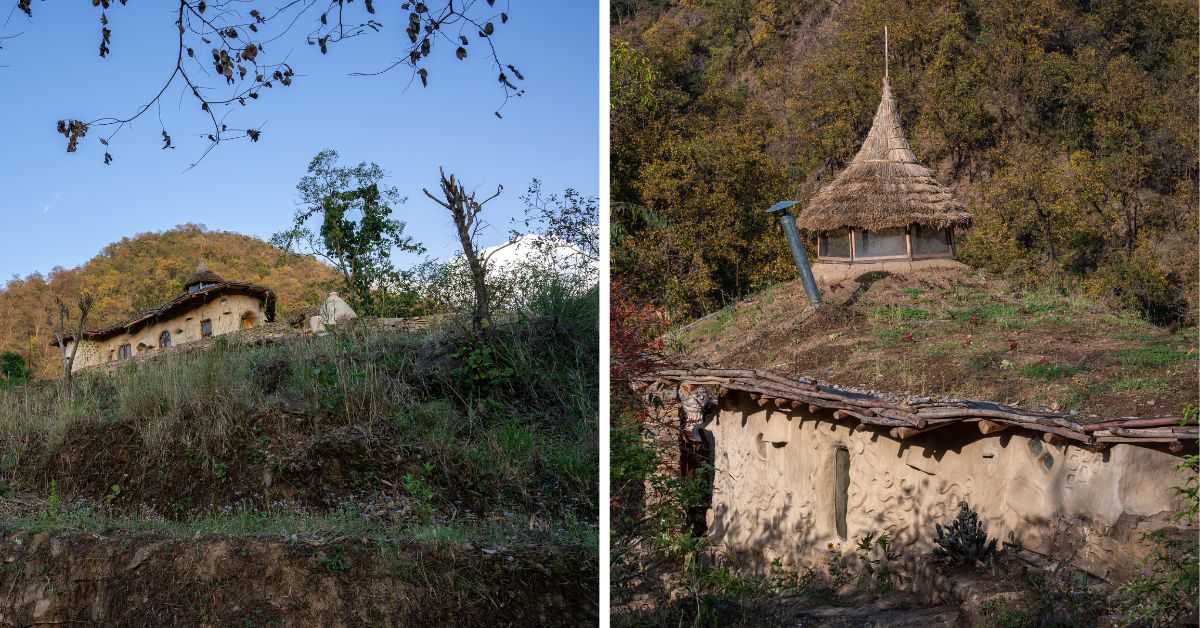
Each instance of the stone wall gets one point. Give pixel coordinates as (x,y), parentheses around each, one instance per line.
(774,488)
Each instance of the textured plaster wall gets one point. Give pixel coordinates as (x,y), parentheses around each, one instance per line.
(773,489)
(829,272)
(225,312)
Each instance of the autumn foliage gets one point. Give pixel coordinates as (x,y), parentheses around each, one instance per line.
(1068,129)
(143,271)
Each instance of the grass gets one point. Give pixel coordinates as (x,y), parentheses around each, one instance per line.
(1047,371)
(346,522)
(1152,355)
(1139,383)
(513,418)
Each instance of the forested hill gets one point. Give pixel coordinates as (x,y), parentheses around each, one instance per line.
(1069,128)
(145,270)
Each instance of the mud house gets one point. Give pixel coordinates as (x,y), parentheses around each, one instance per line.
(208,306)
(801,467)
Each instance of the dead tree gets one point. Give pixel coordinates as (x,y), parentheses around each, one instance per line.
(465,210)
(63,334)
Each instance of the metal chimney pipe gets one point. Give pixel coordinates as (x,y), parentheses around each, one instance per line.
(788,222)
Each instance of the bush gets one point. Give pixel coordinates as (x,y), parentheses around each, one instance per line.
(965,540)
(13,370)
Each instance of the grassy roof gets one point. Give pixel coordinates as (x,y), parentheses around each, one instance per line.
(884,186)
(961,334)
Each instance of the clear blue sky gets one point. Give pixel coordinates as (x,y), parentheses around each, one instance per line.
(61,209)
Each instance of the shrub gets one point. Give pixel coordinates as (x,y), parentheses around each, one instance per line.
(965,540)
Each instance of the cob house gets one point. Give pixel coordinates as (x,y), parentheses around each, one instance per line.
(800,467)
(208,306)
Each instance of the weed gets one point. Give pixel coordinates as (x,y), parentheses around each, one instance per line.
(422,495)
(53,502)
(1150,356)
(335,561)
(1047,371)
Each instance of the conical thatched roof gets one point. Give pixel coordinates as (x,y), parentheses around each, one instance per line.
(884,186)
(202,275)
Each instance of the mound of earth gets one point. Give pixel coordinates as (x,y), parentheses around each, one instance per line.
(149,579)
(956,333)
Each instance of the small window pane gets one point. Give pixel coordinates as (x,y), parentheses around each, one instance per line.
(164,340)
(887,243)
(835,244)
(205,328)
(930,240)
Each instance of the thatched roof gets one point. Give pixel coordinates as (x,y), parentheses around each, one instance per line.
(202,275)
(884,186)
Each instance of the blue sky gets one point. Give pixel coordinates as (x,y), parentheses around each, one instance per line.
(61,209)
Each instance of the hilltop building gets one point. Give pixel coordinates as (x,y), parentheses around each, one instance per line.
(884,211)
(208,306)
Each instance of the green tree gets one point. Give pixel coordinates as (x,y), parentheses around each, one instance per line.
(356,233)
(13,369)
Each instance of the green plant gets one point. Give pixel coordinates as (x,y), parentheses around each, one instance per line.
(878,557)
(335,561)
(53,502)
(965,540)
(1047,371)
(422,496)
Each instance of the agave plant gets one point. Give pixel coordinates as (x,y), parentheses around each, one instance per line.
(965,540)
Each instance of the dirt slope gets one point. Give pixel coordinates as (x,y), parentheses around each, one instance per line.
(956,333)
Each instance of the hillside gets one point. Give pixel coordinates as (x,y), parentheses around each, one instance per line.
(392,477)
(1067,129)
(145,270)
(956,334)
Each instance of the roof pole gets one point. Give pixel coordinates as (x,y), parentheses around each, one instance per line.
(885,53)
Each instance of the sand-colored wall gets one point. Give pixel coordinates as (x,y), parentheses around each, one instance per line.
(829,272)
(225,312)
(773,490)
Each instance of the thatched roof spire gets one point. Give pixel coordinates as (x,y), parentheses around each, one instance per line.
(202,276)
(884,186)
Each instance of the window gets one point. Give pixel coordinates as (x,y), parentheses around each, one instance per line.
(247,320)
(206,328)
(164,339)
(834,244)
(930,241)
(124,352)
(841,488)
(886,243)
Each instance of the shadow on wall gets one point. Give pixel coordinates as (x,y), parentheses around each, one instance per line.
(776,492)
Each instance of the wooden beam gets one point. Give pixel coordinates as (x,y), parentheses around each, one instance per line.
(991,427)
(1053,439)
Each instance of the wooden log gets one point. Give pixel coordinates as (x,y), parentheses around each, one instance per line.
(904,433)
(813,408)
(1141,439)
(1168,421)
(1182,433)
(991,427)
(1053,439)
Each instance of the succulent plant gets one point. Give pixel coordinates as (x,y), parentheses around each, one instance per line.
(965,540)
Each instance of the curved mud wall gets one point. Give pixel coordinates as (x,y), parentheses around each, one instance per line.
(774,488)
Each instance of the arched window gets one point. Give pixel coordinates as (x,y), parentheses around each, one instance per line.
(164,339)
(248,320)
